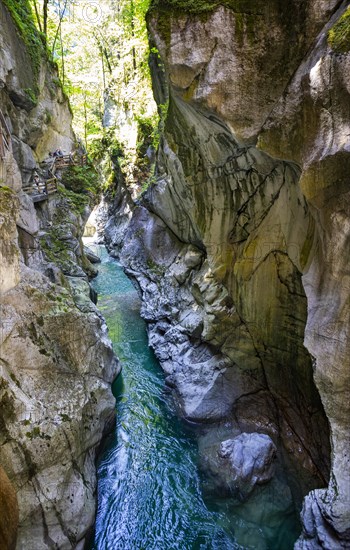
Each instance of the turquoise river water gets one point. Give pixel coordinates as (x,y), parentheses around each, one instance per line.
(149,490)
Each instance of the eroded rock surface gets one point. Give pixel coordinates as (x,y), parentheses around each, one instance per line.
(241,253)
(8,512)
(236,225)
(56,360)
(57,366)
(238,464)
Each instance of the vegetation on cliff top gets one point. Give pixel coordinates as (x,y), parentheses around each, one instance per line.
(203,6)
(339,34)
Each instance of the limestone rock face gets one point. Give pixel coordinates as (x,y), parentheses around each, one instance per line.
(240,251)
(216,236)
(32,101)
(318,139)
(9,254)
(117,214)
(56,360)
(213,59)
(57,365)
(9,512)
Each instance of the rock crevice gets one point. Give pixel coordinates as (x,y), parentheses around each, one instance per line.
(239,249)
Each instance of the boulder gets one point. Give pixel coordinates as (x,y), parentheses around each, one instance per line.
(91,256)
(237,465)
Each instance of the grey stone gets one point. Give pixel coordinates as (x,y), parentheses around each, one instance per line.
(56,359)
(237,465)
(91,256)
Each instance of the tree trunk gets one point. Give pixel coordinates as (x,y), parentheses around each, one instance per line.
(37,15)
(45,15)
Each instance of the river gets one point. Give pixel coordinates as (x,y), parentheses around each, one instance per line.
(149,490)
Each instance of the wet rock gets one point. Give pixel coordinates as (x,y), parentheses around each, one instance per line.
(237,465)
(91,256)
(321,528)
(273,231)
(202,247)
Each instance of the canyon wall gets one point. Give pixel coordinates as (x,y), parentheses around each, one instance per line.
(56,360)
(240,248)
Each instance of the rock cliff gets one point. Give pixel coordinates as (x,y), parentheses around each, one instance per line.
(56,360)
(240,248)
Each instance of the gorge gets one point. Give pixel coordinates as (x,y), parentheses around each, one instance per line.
(238,246)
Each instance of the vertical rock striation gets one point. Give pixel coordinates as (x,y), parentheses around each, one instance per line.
(240,247)
(311,124)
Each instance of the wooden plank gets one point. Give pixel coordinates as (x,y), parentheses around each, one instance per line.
(5,136)
(39,198)
(2,146)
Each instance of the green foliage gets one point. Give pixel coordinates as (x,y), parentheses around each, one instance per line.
(148,134)
(189,6)
(96,148)
(197,6)
(106,144)
(5,189)
(54,247)
(32,95)
(22,16)
(339,34)
(78,201)
(36,433)
(81,179)
(48,116)
(151,180)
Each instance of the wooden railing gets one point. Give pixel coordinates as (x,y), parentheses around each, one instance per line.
(5,137)
(40,190)
(63,162)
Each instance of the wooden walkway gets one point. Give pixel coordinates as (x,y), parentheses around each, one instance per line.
(40,187)
(40,190)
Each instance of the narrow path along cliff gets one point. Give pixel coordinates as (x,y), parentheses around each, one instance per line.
(205,144)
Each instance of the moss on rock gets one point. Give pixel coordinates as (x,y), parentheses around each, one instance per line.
(77,201)
(81,179)
(339,34)
(203,6)
(22,16)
